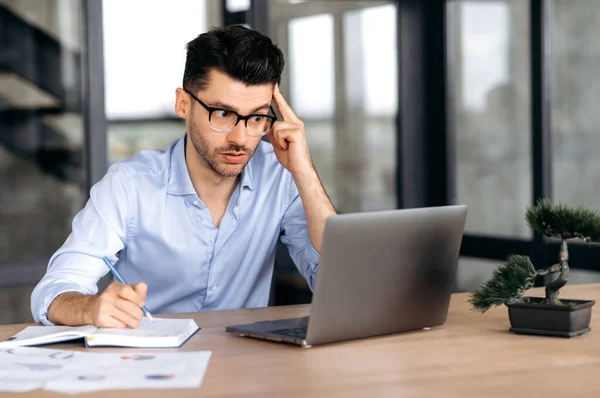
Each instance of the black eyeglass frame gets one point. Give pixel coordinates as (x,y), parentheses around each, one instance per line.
(245,118)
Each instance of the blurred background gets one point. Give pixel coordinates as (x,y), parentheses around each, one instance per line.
(406,103)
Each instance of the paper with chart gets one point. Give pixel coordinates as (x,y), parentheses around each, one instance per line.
(27,369)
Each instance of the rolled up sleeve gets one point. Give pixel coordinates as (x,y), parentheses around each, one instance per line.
(295,236)
(99,229)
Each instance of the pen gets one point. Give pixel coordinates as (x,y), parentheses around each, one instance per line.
(120,279)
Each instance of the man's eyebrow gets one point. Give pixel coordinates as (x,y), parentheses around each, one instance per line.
(222,105)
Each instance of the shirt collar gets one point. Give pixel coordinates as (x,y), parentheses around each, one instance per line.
(180,182)
(247,175)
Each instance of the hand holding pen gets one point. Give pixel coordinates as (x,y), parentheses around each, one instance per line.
(120,305)
(120,279)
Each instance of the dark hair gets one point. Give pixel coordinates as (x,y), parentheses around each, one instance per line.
(243,54)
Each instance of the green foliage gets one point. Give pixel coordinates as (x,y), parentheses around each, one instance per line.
(507,285)
(511,280)
(564,221)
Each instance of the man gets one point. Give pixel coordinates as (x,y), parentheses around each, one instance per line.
(196,226)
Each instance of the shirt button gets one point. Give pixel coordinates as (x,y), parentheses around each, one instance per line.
(213,288)
(195,203)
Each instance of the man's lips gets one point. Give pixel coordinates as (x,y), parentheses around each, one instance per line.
(234,157)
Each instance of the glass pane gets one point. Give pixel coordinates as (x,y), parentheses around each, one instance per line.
(474,272)
(491,78)
(576,94)
(42,171)
(312,84)
(311,88)
(579,276)
(127,138)
(352,137)
(15,305)
(341,80)
(367,140)
(237,5)
(378,56)
(144,65)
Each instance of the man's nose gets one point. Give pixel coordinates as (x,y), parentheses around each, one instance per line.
(237,135)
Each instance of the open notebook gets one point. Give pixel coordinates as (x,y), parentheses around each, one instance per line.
(162,333)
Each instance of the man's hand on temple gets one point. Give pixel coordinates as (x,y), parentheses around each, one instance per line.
(288,138)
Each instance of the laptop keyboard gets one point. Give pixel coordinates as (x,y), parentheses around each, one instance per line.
(299,333)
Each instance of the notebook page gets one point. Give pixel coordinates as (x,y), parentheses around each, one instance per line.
(159,328)
(34,335)
(160,333)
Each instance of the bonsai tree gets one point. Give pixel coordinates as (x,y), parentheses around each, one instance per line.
(510,280)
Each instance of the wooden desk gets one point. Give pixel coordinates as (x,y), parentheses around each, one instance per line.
(473,355)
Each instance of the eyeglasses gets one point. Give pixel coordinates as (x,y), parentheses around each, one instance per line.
(224,120)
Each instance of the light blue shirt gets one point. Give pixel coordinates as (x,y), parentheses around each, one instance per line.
(146,216)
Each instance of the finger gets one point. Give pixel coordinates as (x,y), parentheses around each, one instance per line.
(124,318)
(108,321)
(128,293)
(273,139)
(287,125)
(282,106)
(292,133)
(113,322)
(114,288)
(141,289)
(129,308)
(279,137)
(286,136)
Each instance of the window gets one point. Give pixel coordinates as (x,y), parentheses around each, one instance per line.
(143,67)
(575,98)
(492,113)
(342,83)
(523,116)
(42,167)
(341,80)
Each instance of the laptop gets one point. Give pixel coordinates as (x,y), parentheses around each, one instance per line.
(379,273)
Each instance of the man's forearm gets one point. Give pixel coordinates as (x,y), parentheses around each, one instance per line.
(316,203)
(72,309)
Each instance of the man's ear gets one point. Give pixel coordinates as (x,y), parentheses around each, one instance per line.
(182,103)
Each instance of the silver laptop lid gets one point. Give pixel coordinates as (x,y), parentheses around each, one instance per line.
(385,272)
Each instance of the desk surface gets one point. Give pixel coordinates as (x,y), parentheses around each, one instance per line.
(472,355)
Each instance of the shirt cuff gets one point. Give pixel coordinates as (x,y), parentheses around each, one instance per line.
(312,257)
(52,293)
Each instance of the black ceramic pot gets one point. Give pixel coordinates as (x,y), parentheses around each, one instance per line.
(532,316)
